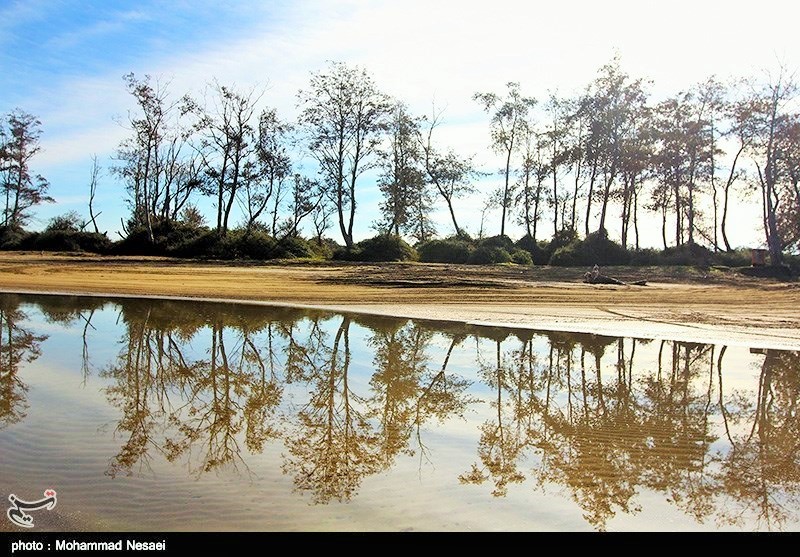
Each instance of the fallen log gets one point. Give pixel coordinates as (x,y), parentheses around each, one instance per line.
(594,277)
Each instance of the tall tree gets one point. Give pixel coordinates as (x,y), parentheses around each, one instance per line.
(160,175)
(771,119)
(344,115)
(229,149)
(450,174)
(402,179)
(23,190)
(509,120)
(530,184)
(608,108)
(94,175)
(272,168)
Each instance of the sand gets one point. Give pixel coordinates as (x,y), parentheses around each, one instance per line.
(710,306)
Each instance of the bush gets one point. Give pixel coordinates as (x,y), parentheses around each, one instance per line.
(595,249)
(645,257)
(384,247)
(569,256)
(687,254)
(293,246)
(13,237)
(169,238)
(738,258)
(537,250)
(444,251)
(487,255)
(241,244)
(521,257)
(564,238)
(598,249)
(68,222)
(70,240)
(503,242)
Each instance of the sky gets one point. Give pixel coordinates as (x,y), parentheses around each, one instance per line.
(63,61)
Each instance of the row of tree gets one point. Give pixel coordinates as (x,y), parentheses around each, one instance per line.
(571,161)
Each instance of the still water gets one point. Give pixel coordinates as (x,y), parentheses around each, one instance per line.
(165,415)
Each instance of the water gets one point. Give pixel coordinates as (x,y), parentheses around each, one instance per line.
(173,416)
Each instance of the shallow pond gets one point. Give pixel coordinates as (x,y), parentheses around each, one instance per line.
(161,415)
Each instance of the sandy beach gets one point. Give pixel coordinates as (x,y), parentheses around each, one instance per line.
(713,306)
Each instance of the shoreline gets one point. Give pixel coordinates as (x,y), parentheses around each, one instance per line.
(711,310)
(542,320)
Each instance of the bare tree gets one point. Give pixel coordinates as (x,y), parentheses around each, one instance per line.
(769,119)
(93,177)
(160,176)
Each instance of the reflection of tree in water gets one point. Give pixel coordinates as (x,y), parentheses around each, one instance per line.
(407,393)
(334,446)
(761,473)
(67,310)
(606,432)
(400,361)
(502,439)
(342,437)
(218,397)
(18,345)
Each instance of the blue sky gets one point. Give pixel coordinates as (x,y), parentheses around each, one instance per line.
(64,60)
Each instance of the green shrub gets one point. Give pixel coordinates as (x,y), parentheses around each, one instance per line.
(241,244)
(323,249)
(487,255)
(595,249)
(687,254)
(569,256)
(293,246)
(564,238)
(645,257)
(444,251)
(521,257)
(738,258)
(70,240)
(68,222)
(384,247)
(538,250)
(599,249)
(14,238)
(503,242)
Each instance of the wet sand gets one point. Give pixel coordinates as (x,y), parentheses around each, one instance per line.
(710,306)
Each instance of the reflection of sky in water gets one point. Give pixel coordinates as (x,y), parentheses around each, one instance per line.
(72,431)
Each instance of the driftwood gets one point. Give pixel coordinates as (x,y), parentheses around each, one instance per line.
(595,277)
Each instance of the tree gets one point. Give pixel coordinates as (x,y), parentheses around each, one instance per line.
(160,176)
(742,133)
(306,196)
(229,150)
(772,127)
(402,181)
(530,185)
(93,177)
(449,173)
(274,168)
(509,121)
(23,190)
(344,114)
(609,108)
